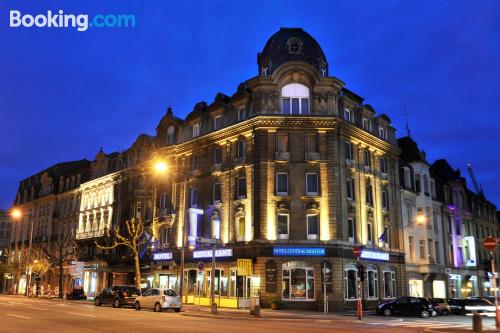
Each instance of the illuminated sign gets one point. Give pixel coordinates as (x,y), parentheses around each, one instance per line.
(470,247)
(299,251)
(454,276)
(162,256)
(208,253)
(375,255)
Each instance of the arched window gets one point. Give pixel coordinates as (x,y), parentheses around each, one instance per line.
(350,280)
(372,279)
(240,226)
(295,99)
(215,229)
(170,135)
(298,281)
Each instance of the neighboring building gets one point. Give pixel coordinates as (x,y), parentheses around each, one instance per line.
(43,217)
(468,218)
(422,227)
(5,229)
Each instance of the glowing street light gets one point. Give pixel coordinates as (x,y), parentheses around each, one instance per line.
(16,213)
(160,167)
(421,218)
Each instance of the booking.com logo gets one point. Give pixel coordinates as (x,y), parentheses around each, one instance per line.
(61,20)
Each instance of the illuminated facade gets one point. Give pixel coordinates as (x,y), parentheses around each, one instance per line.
(292,171)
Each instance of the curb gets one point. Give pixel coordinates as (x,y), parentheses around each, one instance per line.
(279,319)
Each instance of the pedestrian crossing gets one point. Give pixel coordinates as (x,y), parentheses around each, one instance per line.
(423,324)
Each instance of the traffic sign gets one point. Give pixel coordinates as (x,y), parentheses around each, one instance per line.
(489,243)
(357,250)
(201,266)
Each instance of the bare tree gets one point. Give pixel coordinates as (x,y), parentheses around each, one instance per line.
(131,240)
(61,252)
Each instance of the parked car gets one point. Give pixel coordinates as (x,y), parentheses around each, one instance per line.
(407,306)
(440,306)
(117,296)
(159,299)
(76,293)
(467,305)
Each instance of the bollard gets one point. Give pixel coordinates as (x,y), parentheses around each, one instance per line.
(477,322)
(256,311)
(214,308)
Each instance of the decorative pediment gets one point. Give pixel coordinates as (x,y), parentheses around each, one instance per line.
(282,205)
(370,215)
(240,209)
(313,205)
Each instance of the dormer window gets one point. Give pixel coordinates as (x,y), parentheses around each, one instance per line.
(382,133)
(217,122)
(196,130)
(295,99)
(265,70)
(170,135)
(348,115)
(323,71)
(242,114)
(367,125)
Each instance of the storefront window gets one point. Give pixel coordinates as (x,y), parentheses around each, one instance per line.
(416,287)
(350,281)
(298,281)
(389,284)
(438,289)
(454,283)
(372,282)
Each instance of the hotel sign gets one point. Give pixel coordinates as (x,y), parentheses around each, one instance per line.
(208,253)
(162,256)
(293,251)
(375,255)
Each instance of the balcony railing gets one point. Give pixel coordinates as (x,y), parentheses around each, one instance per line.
(90,234)
(312,156)
(216,168)
(195,172)
(282,156)
(240,161)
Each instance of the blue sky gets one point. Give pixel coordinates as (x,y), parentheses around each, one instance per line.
(65,93)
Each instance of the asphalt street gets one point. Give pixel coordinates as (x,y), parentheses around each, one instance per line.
(18,314)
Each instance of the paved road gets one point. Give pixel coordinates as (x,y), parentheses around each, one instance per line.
(19,314)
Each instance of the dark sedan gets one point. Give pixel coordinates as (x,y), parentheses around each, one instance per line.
(407,306)
(117,296)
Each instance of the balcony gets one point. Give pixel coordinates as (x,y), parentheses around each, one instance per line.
(312,156)
(216,168)
(240,161)
(90,234)
(282,156)
(349,163)
(384,175)
(367,169)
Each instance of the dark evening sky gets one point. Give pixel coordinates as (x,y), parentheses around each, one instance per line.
(65,93)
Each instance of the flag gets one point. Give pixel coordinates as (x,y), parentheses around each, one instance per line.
(383,237)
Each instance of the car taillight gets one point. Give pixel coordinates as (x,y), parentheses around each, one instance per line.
(125,294)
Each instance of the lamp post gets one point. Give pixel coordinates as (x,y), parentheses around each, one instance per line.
(16,215)
(213,242)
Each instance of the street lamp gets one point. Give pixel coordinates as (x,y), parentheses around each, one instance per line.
(421,219)
(16,215)
(160,167)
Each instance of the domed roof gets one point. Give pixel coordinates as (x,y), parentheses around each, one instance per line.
(291,44)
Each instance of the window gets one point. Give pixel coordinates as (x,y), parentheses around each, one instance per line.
(389,284)
(369,232)
(417,182)
(240,228)
(311,143)
(312,187)
(348,150)
(369,195)
(242,149)
(264,70)
(170,135)
(372,278)
(433,188)
(430,251)
(368,161)
(410,246)
(215,228)
(138,210)
(194,162)
(436,248)
(298,281)
(383,166)
(194,197)
(350,282)
(421,246)
(217,193)
(241,191)
(282,183)
(351,230)
(283,221)
(323,71)
(367,125)
(350,189)
(218,156)
(312,226)
(385,200)
(426,186)
(218,122)
(196,130)
(282,143)
(382,132)
(295,99)
(348,115)
(242,114)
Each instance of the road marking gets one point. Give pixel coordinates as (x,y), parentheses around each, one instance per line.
(13,315)
(31,307)
(80,314)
